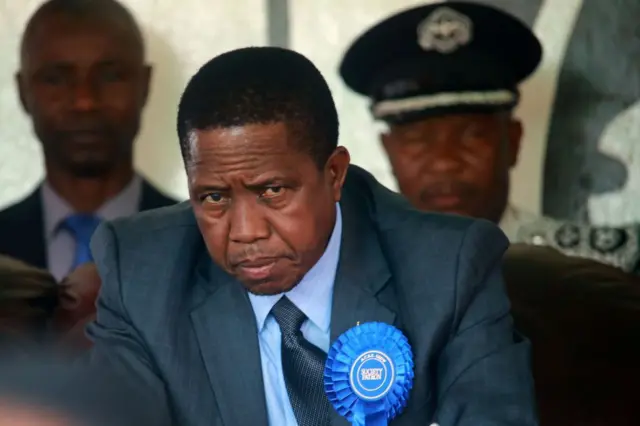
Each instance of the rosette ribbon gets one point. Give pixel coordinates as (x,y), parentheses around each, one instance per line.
(369,373)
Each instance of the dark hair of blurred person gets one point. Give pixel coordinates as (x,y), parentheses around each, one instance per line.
(78,293)
(28,298)
(583,319)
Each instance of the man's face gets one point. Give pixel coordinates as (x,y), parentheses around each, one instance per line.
(84,84)
(455,163)
(264,207)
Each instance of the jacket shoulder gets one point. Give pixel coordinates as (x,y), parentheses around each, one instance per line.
(151,254)
(144,236)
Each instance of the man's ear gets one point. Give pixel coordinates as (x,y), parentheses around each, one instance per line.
(20,87)
(385,140)
(336,168)
(514,135)
(146,81)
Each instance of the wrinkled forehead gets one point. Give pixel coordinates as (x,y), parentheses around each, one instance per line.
(250,142)
(246,152)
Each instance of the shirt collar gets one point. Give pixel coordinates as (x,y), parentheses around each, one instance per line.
(56,209)
(313,295)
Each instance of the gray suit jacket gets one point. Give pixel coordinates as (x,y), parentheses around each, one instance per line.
(185,332)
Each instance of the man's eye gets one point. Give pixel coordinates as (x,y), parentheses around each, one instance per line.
(214,198)
(476,132)
(52,79)
(273,191)
(111,76)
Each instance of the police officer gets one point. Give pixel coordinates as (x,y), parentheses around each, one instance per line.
(444,79)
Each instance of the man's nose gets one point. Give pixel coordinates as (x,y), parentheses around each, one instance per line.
(247,223)
(85,96)
(443,158)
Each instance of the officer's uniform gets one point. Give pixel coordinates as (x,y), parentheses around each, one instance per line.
(463,57)
(512,220)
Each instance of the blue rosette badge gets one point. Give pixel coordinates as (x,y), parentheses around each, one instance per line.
(369,373)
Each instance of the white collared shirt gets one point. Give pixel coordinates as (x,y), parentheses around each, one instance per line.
(60,244)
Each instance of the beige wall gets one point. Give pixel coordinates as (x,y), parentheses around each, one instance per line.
(184,34)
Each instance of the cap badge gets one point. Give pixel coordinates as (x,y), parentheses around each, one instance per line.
(444,30)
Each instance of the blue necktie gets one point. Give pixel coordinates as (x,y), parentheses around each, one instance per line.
(82,227)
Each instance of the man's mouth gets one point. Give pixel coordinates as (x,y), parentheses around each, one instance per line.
(445,201)
(256,269)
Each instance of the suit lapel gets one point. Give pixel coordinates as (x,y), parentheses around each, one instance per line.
(362,273)
(227,333)
(23,232)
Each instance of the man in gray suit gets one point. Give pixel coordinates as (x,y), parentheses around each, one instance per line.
(223,308)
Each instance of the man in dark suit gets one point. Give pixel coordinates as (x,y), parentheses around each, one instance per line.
(223,308)
(84,82)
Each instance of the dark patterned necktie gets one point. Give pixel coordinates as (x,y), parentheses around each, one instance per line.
(303,367)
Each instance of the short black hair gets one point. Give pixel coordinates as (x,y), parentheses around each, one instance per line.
(259,85)
(101,9)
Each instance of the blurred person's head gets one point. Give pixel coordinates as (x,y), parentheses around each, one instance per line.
(48,388)
(28,298)
(84,82)
(14,413)
(582,318)
(443,78)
